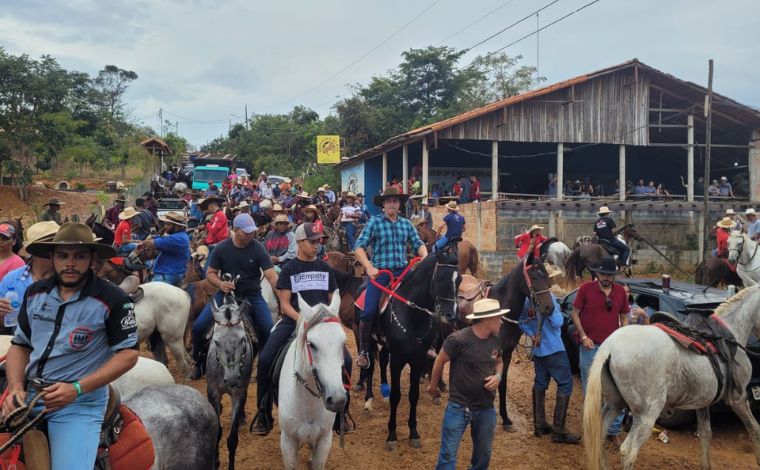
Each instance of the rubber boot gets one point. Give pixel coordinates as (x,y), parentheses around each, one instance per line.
(540,426)
(365,337)
(560,432)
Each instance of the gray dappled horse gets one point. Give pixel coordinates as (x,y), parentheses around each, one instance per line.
(641,368)
(229,365)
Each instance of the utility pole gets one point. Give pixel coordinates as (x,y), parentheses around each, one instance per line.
(176,128)
(708,143)
(537,48)
(246,117)
(161,122)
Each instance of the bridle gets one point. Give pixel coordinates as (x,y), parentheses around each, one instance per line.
(739,253)
(318,393)
(533,295)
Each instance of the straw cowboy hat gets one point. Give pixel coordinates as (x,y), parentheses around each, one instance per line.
(128,213)
(303,194)
(265,204)
(174,217)
(605,265)
(486,308)
(200,253)
(39,232)
(277,208)
(213,198)
(535,227)
(53,201)
(286,180)
(725,222)
(281,218)
(390,192)
(452,206)
(71,234)
(603,210)
(351,195)
(311,207)
(244,204)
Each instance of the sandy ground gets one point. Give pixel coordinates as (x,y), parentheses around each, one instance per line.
(731,447)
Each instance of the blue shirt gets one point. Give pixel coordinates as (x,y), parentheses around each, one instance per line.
(454,224)
(195,212)
(19,279)
(388,241)
(174,252)
(752,229)
(551,330)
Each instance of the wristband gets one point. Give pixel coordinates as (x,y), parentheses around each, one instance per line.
(584,337)
(78,388)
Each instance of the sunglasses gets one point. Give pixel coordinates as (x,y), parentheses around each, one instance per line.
(609,303)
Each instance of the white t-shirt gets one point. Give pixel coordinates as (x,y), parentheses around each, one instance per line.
(347,211)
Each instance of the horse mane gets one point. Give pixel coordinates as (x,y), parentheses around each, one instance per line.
(728,305)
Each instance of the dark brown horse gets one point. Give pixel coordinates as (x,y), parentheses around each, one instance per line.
(716,272)
(349,274)
(587,255)
(468,254)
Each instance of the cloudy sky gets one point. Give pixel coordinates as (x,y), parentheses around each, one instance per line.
(203,60)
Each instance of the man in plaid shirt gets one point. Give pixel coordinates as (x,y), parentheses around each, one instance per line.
(388,235)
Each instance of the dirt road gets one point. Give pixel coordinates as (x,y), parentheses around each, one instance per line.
(364,449)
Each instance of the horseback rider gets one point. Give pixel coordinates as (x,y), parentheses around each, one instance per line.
(145,220)
(280,243)
(111,219)
(173,250)
(312,278)
(533,238)
(53,211)
(454,224)
(387,235)
(603,228)
(721,237)
(737,224)
(753,224)
(123,235)
(349,215)
(217,229)
(76,334)
(240,255)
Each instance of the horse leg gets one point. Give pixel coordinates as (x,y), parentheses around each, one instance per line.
(289,449)
(216,401)
(741,408)
(369,375)
(177,347)
(238,407)
(705,435)
(321,451)
(391,443)
(641,430)
(506,422)
(158,348)
(414,397)
(385,357)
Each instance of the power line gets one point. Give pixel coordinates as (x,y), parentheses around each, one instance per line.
(530,15)
(477,21)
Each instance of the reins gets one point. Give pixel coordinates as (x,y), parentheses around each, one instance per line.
(533,294)
(741,250)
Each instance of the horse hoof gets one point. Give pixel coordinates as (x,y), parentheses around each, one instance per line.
(437,400)
(391,446)
(357,388)
(508,428)
(368,405)
(415,443)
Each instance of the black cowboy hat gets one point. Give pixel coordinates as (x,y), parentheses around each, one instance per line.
(210,199)
(390,192)
(71,234)
(605,265)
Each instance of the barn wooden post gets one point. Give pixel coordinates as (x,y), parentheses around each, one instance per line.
(690,157)
(754,166)
(621,172)
(405,165)
(494,170)
(560,170)
(425,169)
(385,172)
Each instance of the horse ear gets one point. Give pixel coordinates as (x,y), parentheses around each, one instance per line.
(215,310)
(304,308)
(334,306)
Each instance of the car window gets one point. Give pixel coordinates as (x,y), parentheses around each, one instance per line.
(171,204)
(646,300)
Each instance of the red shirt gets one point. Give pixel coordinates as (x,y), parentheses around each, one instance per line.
(475,190)
(217,230)
(523,242)
(721,238)
(597,321)
(123,233)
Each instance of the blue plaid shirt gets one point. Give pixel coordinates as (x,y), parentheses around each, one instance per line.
(388,241)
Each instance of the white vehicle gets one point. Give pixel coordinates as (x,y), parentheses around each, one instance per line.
(241,172)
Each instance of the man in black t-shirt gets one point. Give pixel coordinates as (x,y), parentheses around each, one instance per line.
(313,279)
(240,255)
(603,228)
(476,366)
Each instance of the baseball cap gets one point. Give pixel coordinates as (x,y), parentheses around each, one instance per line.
(244,222)
(308,231)
(7,230)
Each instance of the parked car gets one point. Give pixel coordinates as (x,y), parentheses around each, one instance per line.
(169,204)
(669,304)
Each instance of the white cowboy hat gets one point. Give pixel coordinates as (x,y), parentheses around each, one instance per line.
(730,211)
(128,213)
(603,210)
(750,211)
(244,203)
(174,217)
(486,308)
(452,206)
(39,232)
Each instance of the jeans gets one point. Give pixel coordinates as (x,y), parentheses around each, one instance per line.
(173,279)
(586,358)
(258,313)
(74,430)
(350,231)
(623,248)
(455,420)
(554,366)
(127,248)
(372,298)
(440,243)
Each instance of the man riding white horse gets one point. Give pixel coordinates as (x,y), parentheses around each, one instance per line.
(603,228)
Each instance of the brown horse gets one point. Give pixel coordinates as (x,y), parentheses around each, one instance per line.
(349,274)
(468,254)
(585,256)
(716,272)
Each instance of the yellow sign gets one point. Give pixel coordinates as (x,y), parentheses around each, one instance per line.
(328,149)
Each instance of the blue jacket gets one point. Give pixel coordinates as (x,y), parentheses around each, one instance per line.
(551,330)
(174,252)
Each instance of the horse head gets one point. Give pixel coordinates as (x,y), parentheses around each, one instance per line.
(321,340)
(537,285)
(445,284)
(630,231)
(736,242)
(233,347)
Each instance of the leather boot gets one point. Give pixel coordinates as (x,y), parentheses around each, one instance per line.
(199,358)
(560,432)
(262,424)
(365,338)
(540,426)
(196,373)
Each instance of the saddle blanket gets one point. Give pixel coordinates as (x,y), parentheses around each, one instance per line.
(687,342)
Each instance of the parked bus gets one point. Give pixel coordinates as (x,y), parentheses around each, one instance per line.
(203,174)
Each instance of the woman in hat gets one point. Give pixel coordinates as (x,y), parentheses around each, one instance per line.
(122,238)
(349,214)
(8,259)
(311,214)
(721,237)
(532,238)
(217,229)
(603,228)
(173,249)
(454,224)
(22,277)
(51,213)
(111,219)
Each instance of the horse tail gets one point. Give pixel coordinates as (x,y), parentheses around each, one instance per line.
(593,434)
(571,263)
(474,261)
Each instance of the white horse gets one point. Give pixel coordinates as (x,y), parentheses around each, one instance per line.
(311,385)
(641,368)
(145,373)
(742,252)
(164,308)
(557,255)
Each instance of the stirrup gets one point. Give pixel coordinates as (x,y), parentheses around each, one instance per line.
(365,355)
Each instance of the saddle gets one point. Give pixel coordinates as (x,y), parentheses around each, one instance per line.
(607,245)
(131,286)
(274,373)
(708,336)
